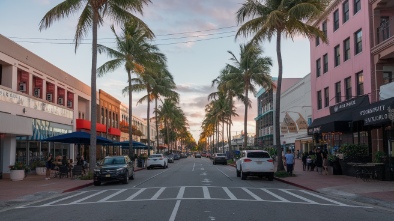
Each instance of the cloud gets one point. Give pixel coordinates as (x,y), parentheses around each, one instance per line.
(189,88)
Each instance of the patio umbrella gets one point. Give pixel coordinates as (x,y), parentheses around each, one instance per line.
(136,145)
(77,137)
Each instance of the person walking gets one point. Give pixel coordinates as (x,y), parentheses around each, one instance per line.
(289,158)
(319,161)
(304,156)
(48,165)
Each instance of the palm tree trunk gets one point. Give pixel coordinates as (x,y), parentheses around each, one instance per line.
(277,107)
(246,116)
(157,127)
(168,136)
(93,102)
(148,121)
(131,151)
(223,136)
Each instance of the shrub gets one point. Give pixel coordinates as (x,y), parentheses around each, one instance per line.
(354,151)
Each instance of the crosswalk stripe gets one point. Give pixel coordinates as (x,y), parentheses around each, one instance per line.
(324,198)
(88,197)
(206,192)
(181,192)
(157,194)
(274,195)
(68,197)
(300,197)
(135,194)
(252,194)
(112,195)
(230,194)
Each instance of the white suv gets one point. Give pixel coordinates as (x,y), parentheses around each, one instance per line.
(255,163)
(157,160)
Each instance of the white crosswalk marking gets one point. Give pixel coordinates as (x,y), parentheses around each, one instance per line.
(88,197)
(275,195)
(300,197)
(268,195)
(135,194)
(112,195)
(252,194)
(206,192)
(229,194)
(156,196)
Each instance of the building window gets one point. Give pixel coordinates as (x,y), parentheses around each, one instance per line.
(319,100)
(348,88)
(324,28)
(325,65)
(336,20)
(318,67)
(384,29)
(326,97)
(345,9)
(338,92)
(317,41)
(337,56)
(387,77)
(360,83)
(346,49)
(357,6)
(358,37)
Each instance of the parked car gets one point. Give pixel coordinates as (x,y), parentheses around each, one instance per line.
(170,158)
(204,154)
(255,163)
(197,155)
(208,155)
(113,168)
(220,158)
(177,157)
(157,160)
(183,155)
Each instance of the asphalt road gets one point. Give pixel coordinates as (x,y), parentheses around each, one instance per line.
(194,189)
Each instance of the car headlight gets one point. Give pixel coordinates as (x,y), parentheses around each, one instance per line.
(120,170)
(96,171)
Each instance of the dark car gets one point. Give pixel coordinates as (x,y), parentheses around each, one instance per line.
(220,158)
(197,155)
(177,157)
(111,168)
(170,158)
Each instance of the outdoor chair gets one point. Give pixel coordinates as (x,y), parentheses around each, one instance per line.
(76,171)
(63,171)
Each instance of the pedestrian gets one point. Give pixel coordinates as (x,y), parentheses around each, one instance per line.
(298,154)
(48,165)
(309,163)
(325,161)
(289,157)
(304,156)
(319,161)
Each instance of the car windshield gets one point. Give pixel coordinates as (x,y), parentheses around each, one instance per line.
(115,160)
(258,155)
(155,156)
(221,155)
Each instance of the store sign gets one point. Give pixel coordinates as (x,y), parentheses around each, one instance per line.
(11,97)
(350,104)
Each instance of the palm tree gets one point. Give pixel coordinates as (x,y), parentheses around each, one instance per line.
(93,14)
(252,70)
(286,18)
(133,51)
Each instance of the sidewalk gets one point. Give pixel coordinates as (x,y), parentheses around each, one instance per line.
(372,192)
(35,187)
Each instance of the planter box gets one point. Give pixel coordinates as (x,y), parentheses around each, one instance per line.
(347,169)
(41,171)
(330,170)
(17,175)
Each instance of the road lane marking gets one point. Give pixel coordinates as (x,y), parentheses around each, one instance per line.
(68,197)
(157,194)
(193,166)
(206,192)
(135,194)
(252,194)
(112,195)
(274,195)
(88,197)
(229,193)
(175,210)
(181,192)
(300,197)
(224,174)
(324,198)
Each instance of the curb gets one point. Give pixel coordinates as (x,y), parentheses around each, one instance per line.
(294,184)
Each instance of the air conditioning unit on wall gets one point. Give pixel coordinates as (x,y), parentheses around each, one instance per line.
(37,92)
(49,97)
(69,103)
(60,100)
(22,87)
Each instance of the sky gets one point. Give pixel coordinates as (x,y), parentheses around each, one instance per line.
(194,35)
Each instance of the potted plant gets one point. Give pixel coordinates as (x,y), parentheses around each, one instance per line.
(18,171)
(40,167)
(353,153)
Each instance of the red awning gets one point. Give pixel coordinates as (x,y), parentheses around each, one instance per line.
(101,128)
(114,131)
(83,124)
(161,147)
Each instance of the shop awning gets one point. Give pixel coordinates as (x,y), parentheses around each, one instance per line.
(377,113)
(338,122)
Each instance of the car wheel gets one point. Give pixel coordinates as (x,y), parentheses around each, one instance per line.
(238,173)
(148,168)
(126,179)
(271,177)
(97,183)
(167,165)
(243,175)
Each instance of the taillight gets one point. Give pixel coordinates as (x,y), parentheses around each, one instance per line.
(161,158)
(271,161)
(247,160)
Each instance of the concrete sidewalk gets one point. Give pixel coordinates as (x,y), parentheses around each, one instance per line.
(374,192)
